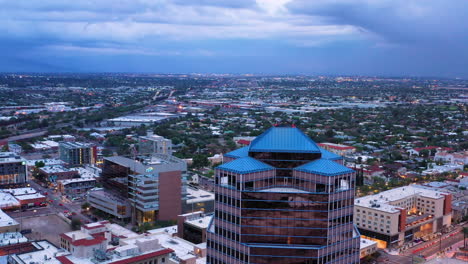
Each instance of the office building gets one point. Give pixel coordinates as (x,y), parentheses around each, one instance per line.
(198,200)
(192,226)
(76,153)
(283,200)
(109,203)
(402,214)
(155,186)
(154,144)
(13,170)
(76,186)
(56,173)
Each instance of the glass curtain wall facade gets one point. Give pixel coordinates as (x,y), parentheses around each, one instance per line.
(283,207)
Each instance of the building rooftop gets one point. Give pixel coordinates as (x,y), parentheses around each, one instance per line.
(7,200)
(284,139)
(336,146)
(238,153)
(68,181)
(55,169)
(29,196)
(6,220)
(157,163)
(244,152)
(10,238)
(72,145)
(6,157)
(382,201)
(329,155)
(47,162)
(183,249)
(200,222)
(324,167)
(20,191)
(366,243)
(195,195)
(44,253)
(245,165)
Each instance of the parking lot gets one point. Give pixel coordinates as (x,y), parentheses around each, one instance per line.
(47,227)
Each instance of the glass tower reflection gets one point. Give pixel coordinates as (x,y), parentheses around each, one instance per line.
(283,200)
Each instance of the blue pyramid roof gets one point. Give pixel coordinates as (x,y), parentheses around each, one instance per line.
(238,153)
(284,139)
(245,165)
(324,167)
(329,155)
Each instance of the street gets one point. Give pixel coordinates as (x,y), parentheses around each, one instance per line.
(432,247)
(57,204)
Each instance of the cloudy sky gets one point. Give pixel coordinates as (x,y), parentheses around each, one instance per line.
(368,37)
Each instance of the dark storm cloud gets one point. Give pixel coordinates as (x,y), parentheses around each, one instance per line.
(396,21)
(398,37)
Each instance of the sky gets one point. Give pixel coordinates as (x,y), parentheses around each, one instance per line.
(337,37)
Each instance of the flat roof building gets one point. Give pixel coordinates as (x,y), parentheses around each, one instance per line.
(13,170)
(154,144)
(76,153)
(76,186)
(8,224)
(198,200)
(402,214)
(193,226)
(155,186)
(96,243)
(338,149)
(109,203)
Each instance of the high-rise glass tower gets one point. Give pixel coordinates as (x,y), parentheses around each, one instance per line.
(283,200)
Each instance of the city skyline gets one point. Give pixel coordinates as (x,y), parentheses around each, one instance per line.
(385,38)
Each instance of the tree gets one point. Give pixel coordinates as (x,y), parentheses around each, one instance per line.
(329,133)
(85,206)
(75,223)
(39,164)
(106,152)
(200,161)
(424,153)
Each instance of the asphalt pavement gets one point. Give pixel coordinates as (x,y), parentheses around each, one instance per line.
(57,203)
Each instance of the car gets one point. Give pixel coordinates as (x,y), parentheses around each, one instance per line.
(73,213)
(60,204)
(46,193)
(66,211)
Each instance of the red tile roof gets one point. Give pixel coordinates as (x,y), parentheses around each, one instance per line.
(335,146)
(433,147)
(243,142)
(84,242)
(64,260)
(143,256)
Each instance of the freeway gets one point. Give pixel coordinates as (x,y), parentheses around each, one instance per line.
(26,136)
